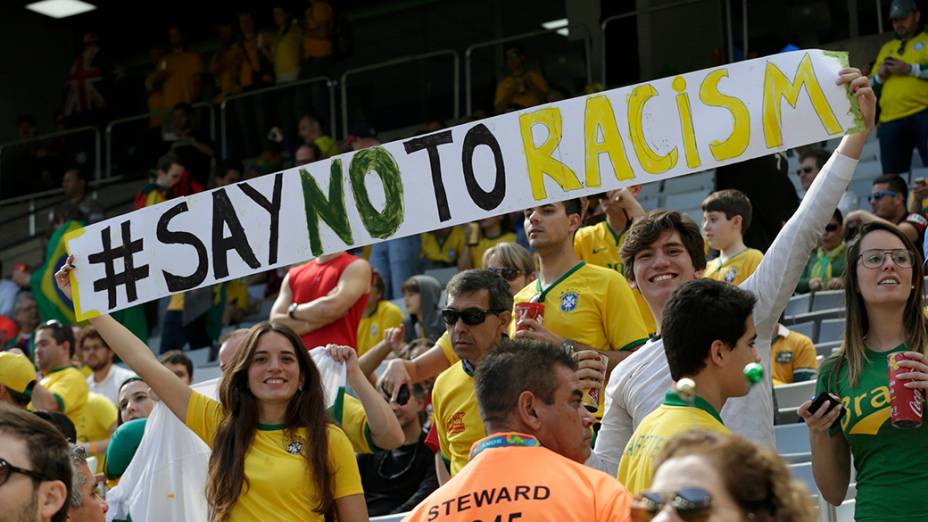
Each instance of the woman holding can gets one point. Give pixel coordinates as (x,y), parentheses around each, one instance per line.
(883,289)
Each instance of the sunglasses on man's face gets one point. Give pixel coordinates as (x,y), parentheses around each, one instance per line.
(506,273)
(876,196)
(7,470)
(690,504)
(471,316)
(831,227)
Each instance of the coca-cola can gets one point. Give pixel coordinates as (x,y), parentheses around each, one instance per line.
(529,310)
(906,402)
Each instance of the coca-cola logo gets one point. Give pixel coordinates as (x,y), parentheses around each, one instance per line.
(916,403)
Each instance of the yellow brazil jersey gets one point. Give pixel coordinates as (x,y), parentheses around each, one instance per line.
(352,419)
(590,305)
(793,357)
(280,487)
(444,342)
(372,327)
(476,251)
(673,417)
(456,416)
(99,421)
(904,95)
(736,269)
(446,251)
(599,245)
(70,390)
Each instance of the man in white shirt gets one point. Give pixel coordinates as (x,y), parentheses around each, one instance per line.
(106,378)
(663,250)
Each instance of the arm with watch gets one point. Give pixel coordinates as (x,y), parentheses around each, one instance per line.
(307,317)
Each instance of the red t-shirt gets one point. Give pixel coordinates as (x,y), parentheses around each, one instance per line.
(314,280)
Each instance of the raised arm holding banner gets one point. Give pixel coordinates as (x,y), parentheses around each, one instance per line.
(585,145)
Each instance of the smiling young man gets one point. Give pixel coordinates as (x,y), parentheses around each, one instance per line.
(107,378)
(709,337)
(529,467)
(664,250)
(585,307)
(63,388)
(888,197)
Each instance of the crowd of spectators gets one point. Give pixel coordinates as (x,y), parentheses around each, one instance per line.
(473,399)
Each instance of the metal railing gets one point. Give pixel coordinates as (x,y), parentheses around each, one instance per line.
(399,61)
(139,117)
(468,88)
(632,14)
(330,85)
(54,135)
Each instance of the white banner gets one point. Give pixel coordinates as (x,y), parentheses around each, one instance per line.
(585,145)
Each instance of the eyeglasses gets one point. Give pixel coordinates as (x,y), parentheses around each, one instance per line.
(804,170)
(874,258)
(876,196)
(690,504)
(831,227)
(470,316)
(7,469)
(506,273)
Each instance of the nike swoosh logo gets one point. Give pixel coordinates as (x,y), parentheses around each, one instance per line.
(871,424)
(598,250)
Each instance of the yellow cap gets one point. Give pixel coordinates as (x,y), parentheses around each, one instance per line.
(16,372)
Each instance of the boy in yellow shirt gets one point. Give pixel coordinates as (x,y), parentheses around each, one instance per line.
(708,335)
(726,216)
(379,314)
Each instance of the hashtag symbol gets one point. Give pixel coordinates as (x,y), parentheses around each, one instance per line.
(129,276)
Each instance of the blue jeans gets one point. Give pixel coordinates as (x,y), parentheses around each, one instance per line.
(899,137)
(397,260)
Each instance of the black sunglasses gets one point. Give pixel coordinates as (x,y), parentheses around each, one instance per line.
(690,504)
(831,227)
(470,316)
(506,273)
(7,469)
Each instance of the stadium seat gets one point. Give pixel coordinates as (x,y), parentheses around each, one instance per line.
(845,512)
(701,182)
(442,275)
(199,357)
(790,396)
(650,190)
(694,213)
(827,300)
(798,304)
(830,330)
(686,200)
(205,373)
(868,170)
(803,473)
(793,442)
(806,329)
(825,349)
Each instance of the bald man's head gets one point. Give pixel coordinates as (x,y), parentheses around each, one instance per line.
(228,344)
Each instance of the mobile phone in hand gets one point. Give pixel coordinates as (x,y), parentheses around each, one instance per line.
(832,402)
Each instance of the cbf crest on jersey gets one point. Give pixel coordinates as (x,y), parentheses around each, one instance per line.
(730,275)
(569,301)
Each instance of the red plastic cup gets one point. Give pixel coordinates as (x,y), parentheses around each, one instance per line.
(529,310)
(906,402)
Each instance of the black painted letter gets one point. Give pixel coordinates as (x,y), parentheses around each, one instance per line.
(480,135)
(431,143)
(175,282)
(272,207)
(224,214)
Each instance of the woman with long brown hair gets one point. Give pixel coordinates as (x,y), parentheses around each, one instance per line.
(276,455)
(883,291)
(715,477)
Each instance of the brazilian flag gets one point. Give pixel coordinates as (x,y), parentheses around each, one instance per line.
(53,304)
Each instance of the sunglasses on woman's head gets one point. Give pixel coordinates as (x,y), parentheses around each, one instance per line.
(506,273)
(690,504)
(7,470)
(470,316)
